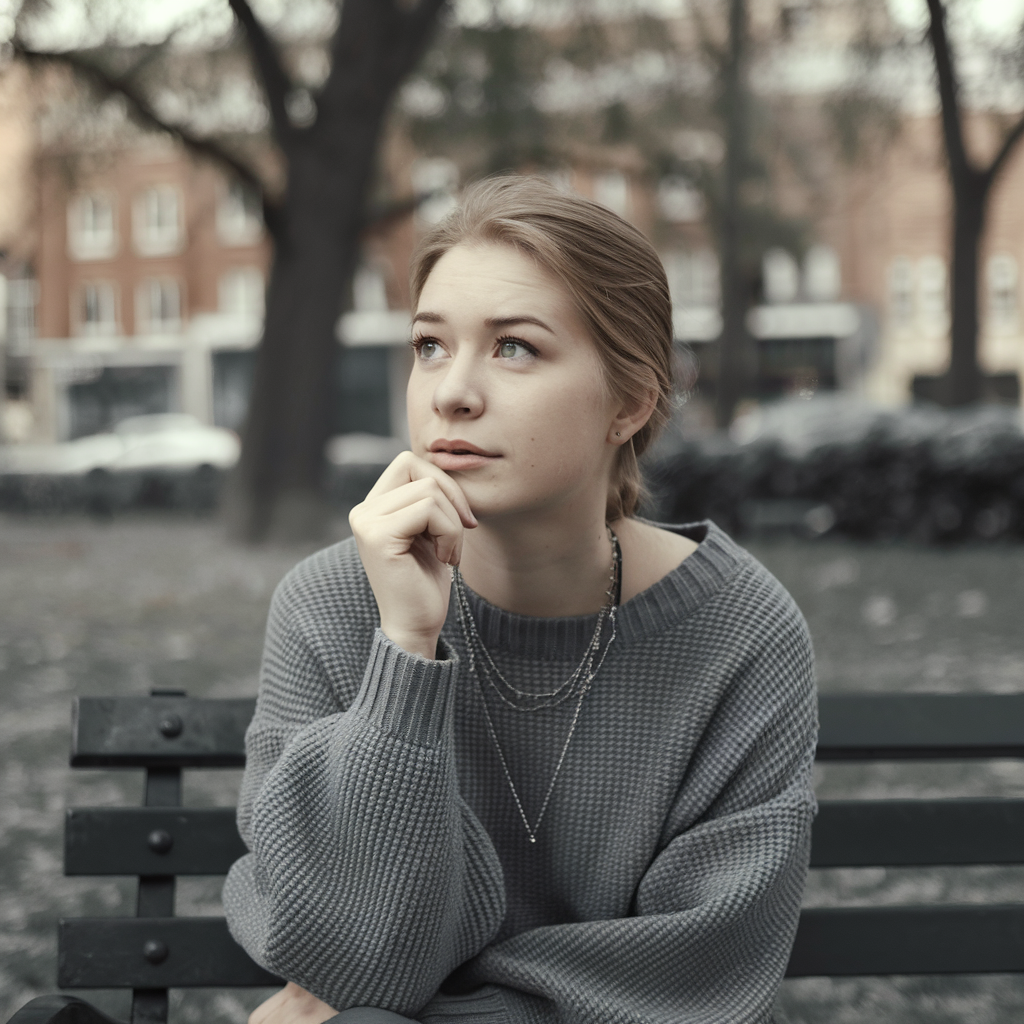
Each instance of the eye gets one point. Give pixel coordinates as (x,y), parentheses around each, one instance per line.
(427,349)
(514,348)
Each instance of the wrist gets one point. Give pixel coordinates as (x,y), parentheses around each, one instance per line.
(423,644)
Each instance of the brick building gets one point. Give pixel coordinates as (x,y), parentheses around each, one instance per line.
(150,269)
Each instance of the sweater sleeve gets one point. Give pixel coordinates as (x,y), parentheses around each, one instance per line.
(715,913)
(368,878)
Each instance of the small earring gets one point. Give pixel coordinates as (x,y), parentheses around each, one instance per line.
(618,433)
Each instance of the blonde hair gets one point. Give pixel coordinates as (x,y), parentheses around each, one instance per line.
(613,275)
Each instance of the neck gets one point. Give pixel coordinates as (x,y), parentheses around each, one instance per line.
(533,565)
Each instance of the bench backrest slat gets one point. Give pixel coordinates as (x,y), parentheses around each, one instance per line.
(918,833)
(169,732)
(150,841)
(153,953)
(889,726)
(850,941)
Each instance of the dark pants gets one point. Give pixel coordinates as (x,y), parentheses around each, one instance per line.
(368,1015)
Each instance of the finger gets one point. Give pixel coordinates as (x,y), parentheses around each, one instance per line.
(424,517)
(406,468)
(409,494)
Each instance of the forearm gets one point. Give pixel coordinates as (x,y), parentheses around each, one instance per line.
(360,838)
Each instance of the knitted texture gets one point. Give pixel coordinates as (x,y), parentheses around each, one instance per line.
(389,866)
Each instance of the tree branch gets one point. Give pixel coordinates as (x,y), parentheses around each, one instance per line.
(952,128)
(419,26)
(276,84)
(1005,150)
(142,109)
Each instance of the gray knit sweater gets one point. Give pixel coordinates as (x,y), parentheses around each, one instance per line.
(389,866)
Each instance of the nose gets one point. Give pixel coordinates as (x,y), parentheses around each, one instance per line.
(459,391)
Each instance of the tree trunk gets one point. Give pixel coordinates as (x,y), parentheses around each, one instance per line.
(277,490)
(964,384)
(735,355)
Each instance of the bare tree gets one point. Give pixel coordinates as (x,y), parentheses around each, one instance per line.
(972,186)
(735,347)
(328,140)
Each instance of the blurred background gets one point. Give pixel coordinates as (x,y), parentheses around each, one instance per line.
(207,210)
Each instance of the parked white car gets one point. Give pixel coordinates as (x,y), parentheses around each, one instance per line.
(171,442)
(163,459)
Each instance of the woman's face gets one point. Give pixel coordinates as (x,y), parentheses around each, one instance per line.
(507,392)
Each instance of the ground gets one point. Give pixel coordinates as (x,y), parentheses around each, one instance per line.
(102,608)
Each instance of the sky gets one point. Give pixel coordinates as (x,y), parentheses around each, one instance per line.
(995,15)
(152,19)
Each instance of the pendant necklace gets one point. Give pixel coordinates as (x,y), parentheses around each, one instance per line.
(577,685)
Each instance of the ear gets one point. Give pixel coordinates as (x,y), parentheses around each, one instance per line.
(631,417)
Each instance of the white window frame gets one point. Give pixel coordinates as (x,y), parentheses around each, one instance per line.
(781,274)
(105,296)
(932,291)
(611,190)
(166,236)
(239,220)
(693,278)
(86,239)
(902,292)
(680,201)
(1002,280)
(241,292)
(158,288)
(823,274)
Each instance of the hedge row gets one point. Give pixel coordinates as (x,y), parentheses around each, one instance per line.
(920,473)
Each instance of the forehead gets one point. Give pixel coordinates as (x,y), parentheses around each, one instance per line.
(497,278)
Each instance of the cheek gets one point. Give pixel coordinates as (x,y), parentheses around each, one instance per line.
(565,429)
(417,405)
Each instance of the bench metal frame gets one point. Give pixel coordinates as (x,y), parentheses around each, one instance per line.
(168,732)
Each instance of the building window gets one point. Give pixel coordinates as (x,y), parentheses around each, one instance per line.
(822,276)
(692,278)
(781,276)
(157,221)
(240,292)
(239,215)
(611,189)
(158,306)
(901,291)
(97,308)
(1001,274)
(931,289)
(22,298)
(92,230)
(679,202)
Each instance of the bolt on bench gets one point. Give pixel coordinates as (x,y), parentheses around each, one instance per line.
(168,732)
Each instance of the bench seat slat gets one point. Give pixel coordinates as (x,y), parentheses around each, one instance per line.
(117,841)
(925,726)
(918,833)
(107,952)
(846,941)
(126,732)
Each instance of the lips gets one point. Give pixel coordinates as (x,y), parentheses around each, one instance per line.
(459,456)
(460,447)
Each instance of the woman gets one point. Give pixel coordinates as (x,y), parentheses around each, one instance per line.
(519,756)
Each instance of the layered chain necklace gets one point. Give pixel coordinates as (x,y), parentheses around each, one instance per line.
(576,686)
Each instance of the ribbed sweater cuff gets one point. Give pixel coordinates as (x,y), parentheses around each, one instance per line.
(405,694)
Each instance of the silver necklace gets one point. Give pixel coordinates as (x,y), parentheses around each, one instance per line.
(578,682)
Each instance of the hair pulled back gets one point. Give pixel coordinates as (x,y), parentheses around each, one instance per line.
(613,275)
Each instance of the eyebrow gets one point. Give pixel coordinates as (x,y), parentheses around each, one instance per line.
(494,322)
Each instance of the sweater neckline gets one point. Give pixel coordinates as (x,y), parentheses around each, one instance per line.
(663,604)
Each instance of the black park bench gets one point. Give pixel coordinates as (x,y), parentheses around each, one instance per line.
(168,732)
